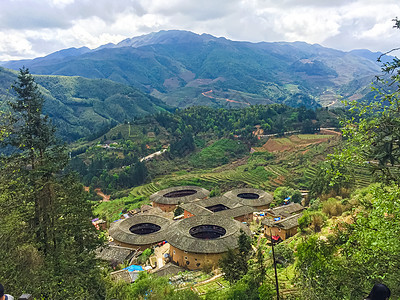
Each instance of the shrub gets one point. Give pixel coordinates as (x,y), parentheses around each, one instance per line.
(283,192)
(332,207)
(284,255)
(315,219)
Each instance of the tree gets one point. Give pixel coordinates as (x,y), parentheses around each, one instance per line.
(178,211)
(372,132)
(349,262)
(284,192)
(32,131)
(234,263)
(49,234)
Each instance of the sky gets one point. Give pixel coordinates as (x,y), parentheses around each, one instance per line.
(34,28)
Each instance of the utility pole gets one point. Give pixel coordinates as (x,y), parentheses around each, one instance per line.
(276,274)
(129,129)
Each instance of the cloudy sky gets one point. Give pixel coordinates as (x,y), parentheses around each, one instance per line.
(32,28)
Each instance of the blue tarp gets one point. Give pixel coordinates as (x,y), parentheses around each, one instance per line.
(134,268)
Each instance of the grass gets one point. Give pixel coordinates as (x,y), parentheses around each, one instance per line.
(214,285)
(111,210)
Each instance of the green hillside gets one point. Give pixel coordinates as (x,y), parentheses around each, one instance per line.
(179,67)
(81,107)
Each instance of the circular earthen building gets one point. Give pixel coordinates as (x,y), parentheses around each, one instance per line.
(140,231)
(256,198)
(202,240)
(169,198)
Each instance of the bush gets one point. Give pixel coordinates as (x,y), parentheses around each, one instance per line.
(283,255)
(283,192)
(332,207)
(315,219)
(142,259)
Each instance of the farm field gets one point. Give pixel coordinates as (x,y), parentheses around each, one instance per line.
(295,142)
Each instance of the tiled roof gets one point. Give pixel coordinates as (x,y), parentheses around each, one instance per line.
(179,236)
(286,210)
(262,199)
(196,209)
(120,230)
(199,207)
(160,197)
(286,223)
(115,253)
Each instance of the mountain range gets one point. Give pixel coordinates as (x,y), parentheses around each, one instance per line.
(183,69)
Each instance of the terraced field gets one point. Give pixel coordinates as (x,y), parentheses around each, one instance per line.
(363,176)
(257,178)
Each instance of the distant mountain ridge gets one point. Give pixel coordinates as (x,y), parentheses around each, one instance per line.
(180,66)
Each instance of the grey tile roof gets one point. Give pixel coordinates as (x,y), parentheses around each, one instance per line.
(286,223)
(120,230)
(235,209)
(115,253)
(217,200)
(286,210)
(121,275)
(179,236)
(262,199)
(196,209)
(168,269)
(160,197)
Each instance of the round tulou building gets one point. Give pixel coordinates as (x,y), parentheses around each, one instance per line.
(140,231)
(250,197)
(202,240)
(168,199)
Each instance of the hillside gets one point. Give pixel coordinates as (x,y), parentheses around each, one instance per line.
(180,66)
(81,107)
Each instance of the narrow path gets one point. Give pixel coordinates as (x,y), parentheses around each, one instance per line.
(209,280)
(206,94)
(98,191)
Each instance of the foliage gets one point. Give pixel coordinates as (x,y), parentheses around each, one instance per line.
(147,286)
(284,255)
(45,229)
(364,252)
(332,177)
(111,210)
(110,172)
(183,146)
(284,192)
(234,263)
(316,219)
(233,266)
(142,259)
(332,207)
(219,153)
(372,131)
(178,211)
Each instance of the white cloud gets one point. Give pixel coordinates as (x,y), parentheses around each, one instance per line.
(31,28)
(61,3)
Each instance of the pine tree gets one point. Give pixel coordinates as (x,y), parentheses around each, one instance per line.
(49,209)
(32,131)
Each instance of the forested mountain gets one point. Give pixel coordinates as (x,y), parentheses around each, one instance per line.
(81,107)
(183,68)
